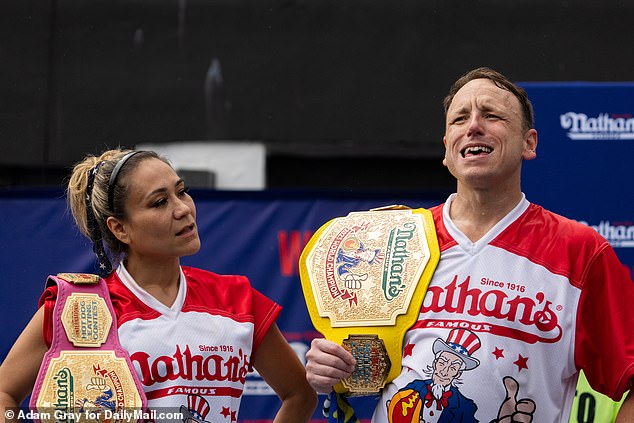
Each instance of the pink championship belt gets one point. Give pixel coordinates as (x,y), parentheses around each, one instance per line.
(86,375)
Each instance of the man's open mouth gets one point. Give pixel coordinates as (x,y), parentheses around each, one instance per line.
(476,150)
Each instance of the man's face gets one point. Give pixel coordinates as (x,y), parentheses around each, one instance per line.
(446,368)
(485,140)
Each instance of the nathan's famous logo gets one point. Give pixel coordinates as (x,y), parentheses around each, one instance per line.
(603,126)
(64,396)
(618,234)
(463,299)
(396,253)
(187,366)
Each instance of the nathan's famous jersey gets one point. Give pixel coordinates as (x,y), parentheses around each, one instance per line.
(507,322)
(193,357)
(590,406)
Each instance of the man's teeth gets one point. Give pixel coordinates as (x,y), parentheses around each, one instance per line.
(477,150)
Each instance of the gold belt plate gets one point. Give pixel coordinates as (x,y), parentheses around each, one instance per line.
(86,320)
(94,386)
(366,274)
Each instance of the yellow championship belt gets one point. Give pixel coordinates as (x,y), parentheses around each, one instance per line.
(86,376)
(364,277)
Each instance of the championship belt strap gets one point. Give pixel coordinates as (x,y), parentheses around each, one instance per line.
(86,375)
(364,277)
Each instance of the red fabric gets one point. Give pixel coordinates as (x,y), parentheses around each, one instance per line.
(604,338)
(445,240)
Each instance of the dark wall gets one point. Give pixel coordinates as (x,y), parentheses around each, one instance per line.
(349,80)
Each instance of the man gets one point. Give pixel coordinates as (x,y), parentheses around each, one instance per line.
(545,295)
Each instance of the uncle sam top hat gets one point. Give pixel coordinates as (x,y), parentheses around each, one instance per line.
(461,342)
(197,409)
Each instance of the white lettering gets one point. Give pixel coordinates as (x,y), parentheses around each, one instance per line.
(617,235)
(603,126)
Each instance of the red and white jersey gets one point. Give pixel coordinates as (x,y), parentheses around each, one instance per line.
(192,357)
(516,314)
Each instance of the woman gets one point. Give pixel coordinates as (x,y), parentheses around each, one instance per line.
(135,203)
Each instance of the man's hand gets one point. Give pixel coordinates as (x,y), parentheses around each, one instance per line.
(326,364)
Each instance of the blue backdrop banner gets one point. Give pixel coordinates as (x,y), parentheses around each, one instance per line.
(583,168)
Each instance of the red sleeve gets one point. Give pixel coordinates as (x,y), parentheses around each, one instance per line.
(232,294)
(604,344)
(265,313)
(48,299)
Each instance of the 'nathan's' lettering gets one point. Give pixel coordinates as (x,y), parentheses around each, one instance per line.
(396,253)
(188,366)
(64,381)
(604,126)
(461,298)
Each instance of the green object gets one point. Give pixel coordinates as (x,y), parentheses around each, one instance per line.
(589,406)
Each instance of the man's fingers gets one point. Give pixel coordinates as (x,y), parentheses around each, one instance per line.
(322,383)
(326,364)
(329,353)
(322,378)
(328,367)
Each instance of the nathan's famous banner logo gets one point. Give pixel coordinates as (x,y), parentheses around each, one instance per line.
(618,234)
(617,126)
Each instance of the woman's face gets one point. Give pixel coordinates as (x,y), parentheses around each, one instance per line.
(160,216)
